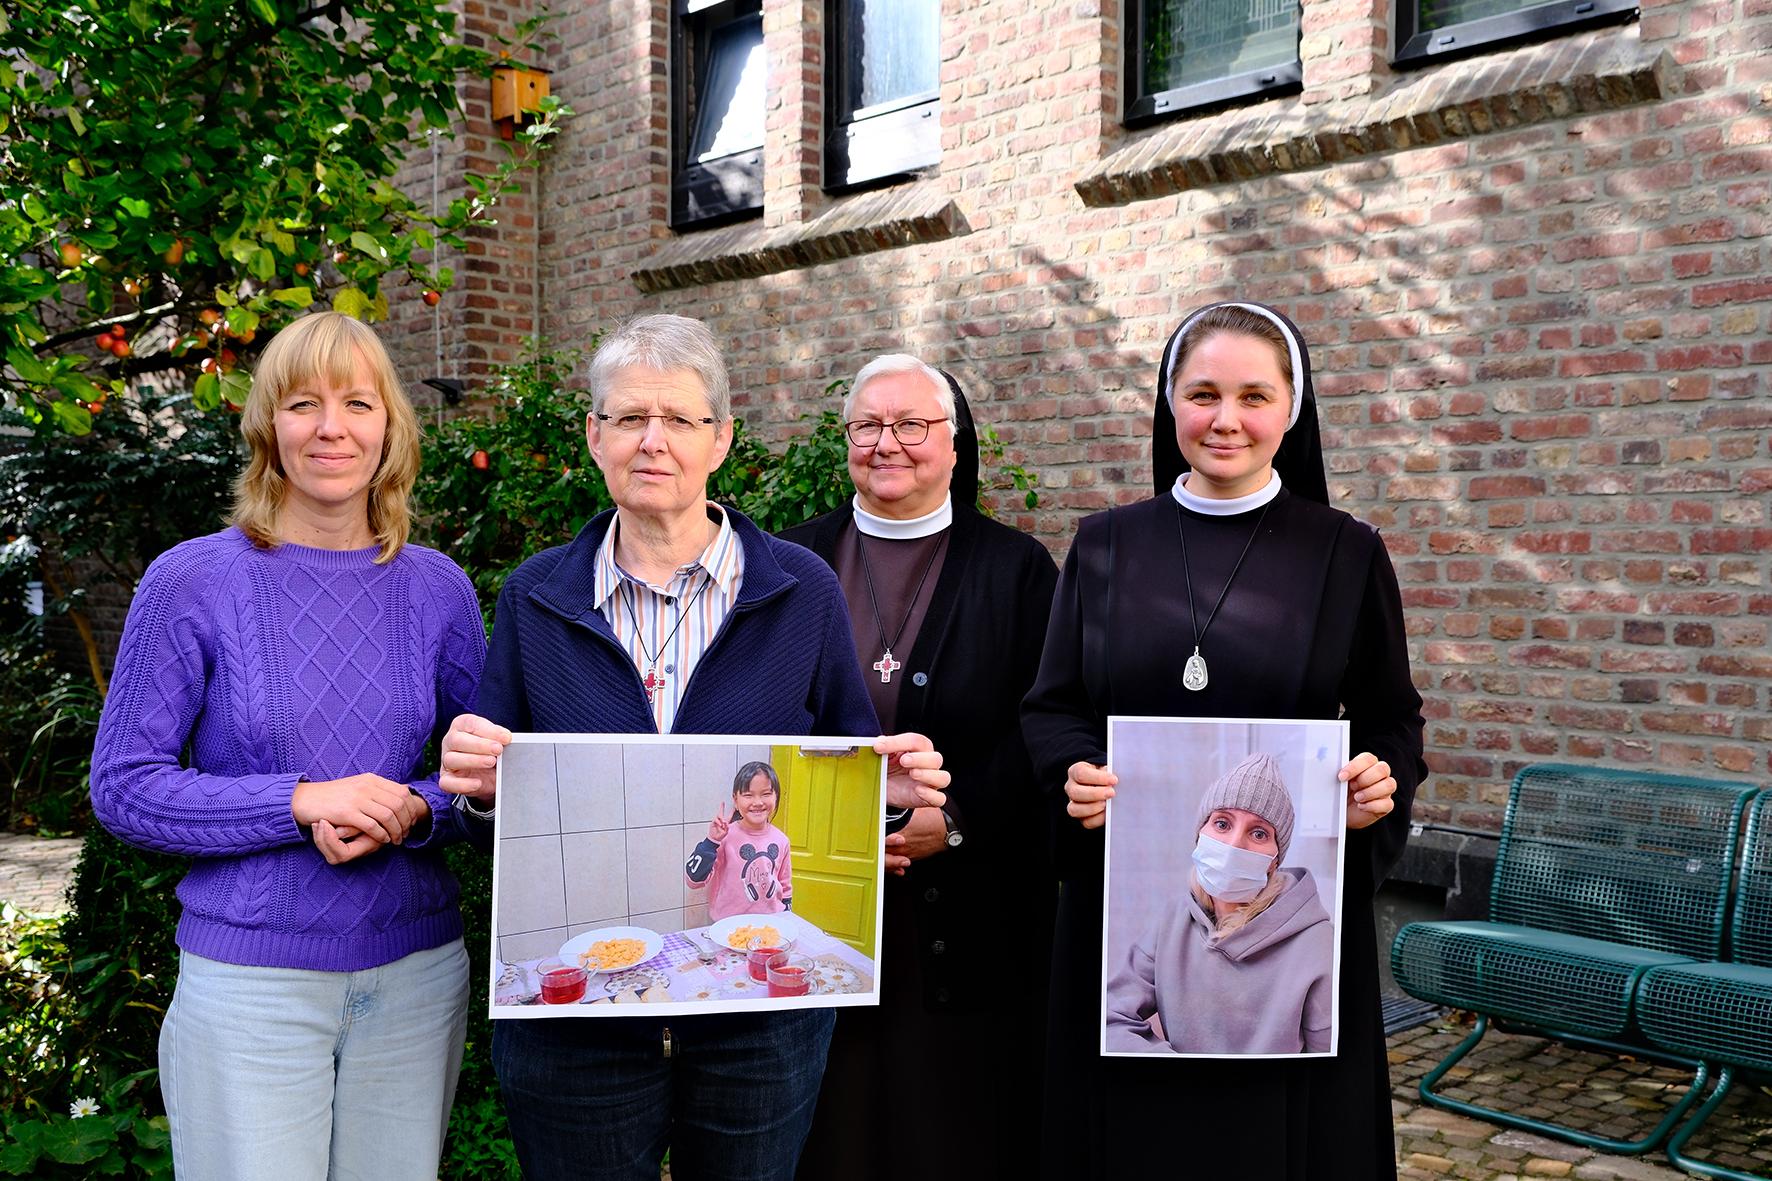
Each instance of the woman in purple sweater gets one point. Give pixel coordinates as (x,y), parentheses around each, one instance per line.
(274,692)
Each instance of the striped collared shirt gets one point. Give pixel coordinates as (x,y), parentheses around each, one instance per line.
(666,629)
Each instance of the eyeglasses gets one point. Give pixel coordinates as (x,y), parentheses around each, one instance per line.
(865,432)
(633,424)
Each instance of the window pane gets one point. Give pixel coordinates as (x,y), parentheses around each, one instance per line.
(1191,41)
(1437,14)
(892,51)
(729,107)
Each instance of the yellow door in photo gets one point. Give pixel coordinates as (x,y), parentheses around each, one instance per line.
(831,813)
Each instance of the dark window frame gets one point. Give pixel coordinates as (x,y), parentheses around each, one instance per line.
(1418,46)
(1143,106)
(872,146)
(702,192)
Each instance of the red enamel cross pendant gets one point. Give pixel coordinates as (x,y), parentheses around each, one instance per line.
(886,666)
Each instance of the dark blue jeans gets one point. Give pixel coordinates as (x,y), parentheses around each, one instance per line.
(597,1099)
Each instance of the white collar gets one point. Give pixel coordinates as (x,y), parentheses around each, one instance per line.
(1208,507)
(924,526)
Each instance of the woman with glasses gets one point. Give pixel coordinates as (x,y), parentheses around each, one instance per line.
(948,611)
(669,614)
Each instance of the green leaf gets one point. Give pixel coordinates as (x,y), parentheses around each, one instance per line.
(139,15)
(78,122)
(368,245)
(35,209)
(76,1141)
(263,264)
(445,278)
(76,420)
(225,298)
(241,320)
(266,10)
(206,393)
(295,297)
(351,301)
(135,206)
(27,365)
(19,1160)
(283,241)
(235,387)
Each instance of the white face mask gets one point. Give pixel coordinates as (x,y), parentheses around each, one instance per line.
(1228,873)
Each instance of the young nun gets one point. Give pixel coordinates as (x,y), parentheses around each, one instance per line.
(1236,592)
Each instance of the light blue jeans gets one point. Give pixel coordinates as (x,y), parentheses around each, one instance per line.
(294,1074)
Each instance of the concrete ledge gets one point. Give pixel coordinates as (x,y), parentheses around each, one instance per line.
(1600,70)
(884,220)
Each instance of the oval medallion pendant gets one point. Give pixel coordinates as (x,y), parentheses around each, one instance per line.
(1193,674)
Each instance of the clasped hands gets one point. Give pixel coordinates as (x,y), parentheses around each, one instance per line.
(1370,786)
(914,778)
(354,816)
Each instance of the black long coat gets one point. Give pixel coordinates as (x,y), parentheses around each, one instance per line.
(1312,627)
(968,915)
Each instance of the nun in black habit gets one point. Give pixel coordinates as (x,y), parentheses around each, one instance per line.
(949,614)
(1236,592)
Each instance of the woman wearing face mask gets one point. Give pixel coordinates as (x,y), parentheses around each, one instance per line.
(1235,592)
(1250,934)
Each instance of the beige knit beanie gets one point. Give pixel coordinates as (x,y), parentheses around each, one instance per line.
(1253,785)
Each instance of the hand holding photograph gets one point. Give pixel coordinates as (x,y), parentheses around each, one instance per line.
(1223,893)
(692,874)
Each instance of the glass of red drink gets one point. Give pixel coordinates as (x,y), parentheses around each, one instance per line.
(761,958)
(562,984)
(790,977)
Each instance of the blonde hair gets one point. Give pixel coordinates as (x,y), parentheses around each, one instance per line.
(326,346)
(1246,912)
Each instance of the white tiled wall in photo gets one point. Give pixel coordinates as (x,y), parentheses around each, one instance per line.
(596,835)
(528,796)
(591,794)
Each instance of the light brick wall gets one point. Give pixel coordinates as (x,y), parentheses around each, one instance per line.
(1542,352)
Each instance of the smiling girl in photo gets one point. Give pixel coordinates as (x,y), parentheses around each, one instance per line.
(743,862)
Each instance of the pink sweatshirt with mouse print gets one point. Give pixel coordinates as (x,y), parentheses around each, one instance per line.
(746,873)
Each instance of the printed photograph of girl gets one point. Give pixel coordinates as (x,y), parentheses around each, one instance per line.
(613,887)
(1223,888)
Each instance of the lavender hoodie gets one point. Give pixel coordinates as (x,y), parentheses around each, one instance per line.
(1266,988)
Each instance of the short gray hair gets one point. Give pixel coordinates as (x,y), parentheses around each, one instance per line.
(903,363)
(662,342)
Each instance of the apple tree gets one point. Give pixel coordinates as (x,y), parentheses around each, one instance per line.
(177,180)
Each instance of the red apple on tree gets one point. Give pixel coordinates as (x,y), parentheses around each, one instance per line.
(175,253)
(481,461)
(72,255)
(301,270)
(120,347)
(432,298)
(210,316)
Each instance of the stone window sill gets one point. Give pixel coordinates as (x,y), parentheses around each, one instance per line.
(1600,70)
(904,215)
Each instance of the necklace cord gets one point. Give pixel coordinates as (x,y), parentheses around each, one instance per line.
(1188,578)
(867,572)
(639,633)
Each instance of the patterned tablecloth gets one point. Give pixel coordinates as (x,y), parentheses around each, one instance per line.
(677,973)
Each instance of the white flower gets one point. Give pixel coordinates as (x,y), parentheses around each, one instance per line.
(80,1107)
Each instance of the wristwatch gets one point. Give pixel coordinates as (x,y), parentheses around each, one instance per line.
(955,837)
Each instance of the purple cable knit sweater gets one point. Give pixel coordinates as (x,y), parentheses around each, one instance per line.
(243,671)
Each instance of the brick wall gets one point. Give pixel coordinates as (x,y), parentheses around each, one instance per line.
(1535,283)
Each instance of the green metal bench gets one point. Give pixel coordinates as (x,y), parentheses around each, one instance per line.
(1721,1013)
(1601,876)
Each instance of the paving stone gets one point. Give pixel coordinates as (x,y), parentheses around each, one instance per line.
(1437,1166)
(1539,1167)
(1542,1146)
(35,872)
(1627,1168)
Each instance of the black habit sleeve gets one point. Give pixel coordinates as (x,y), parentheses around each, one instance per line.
(1383,711)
